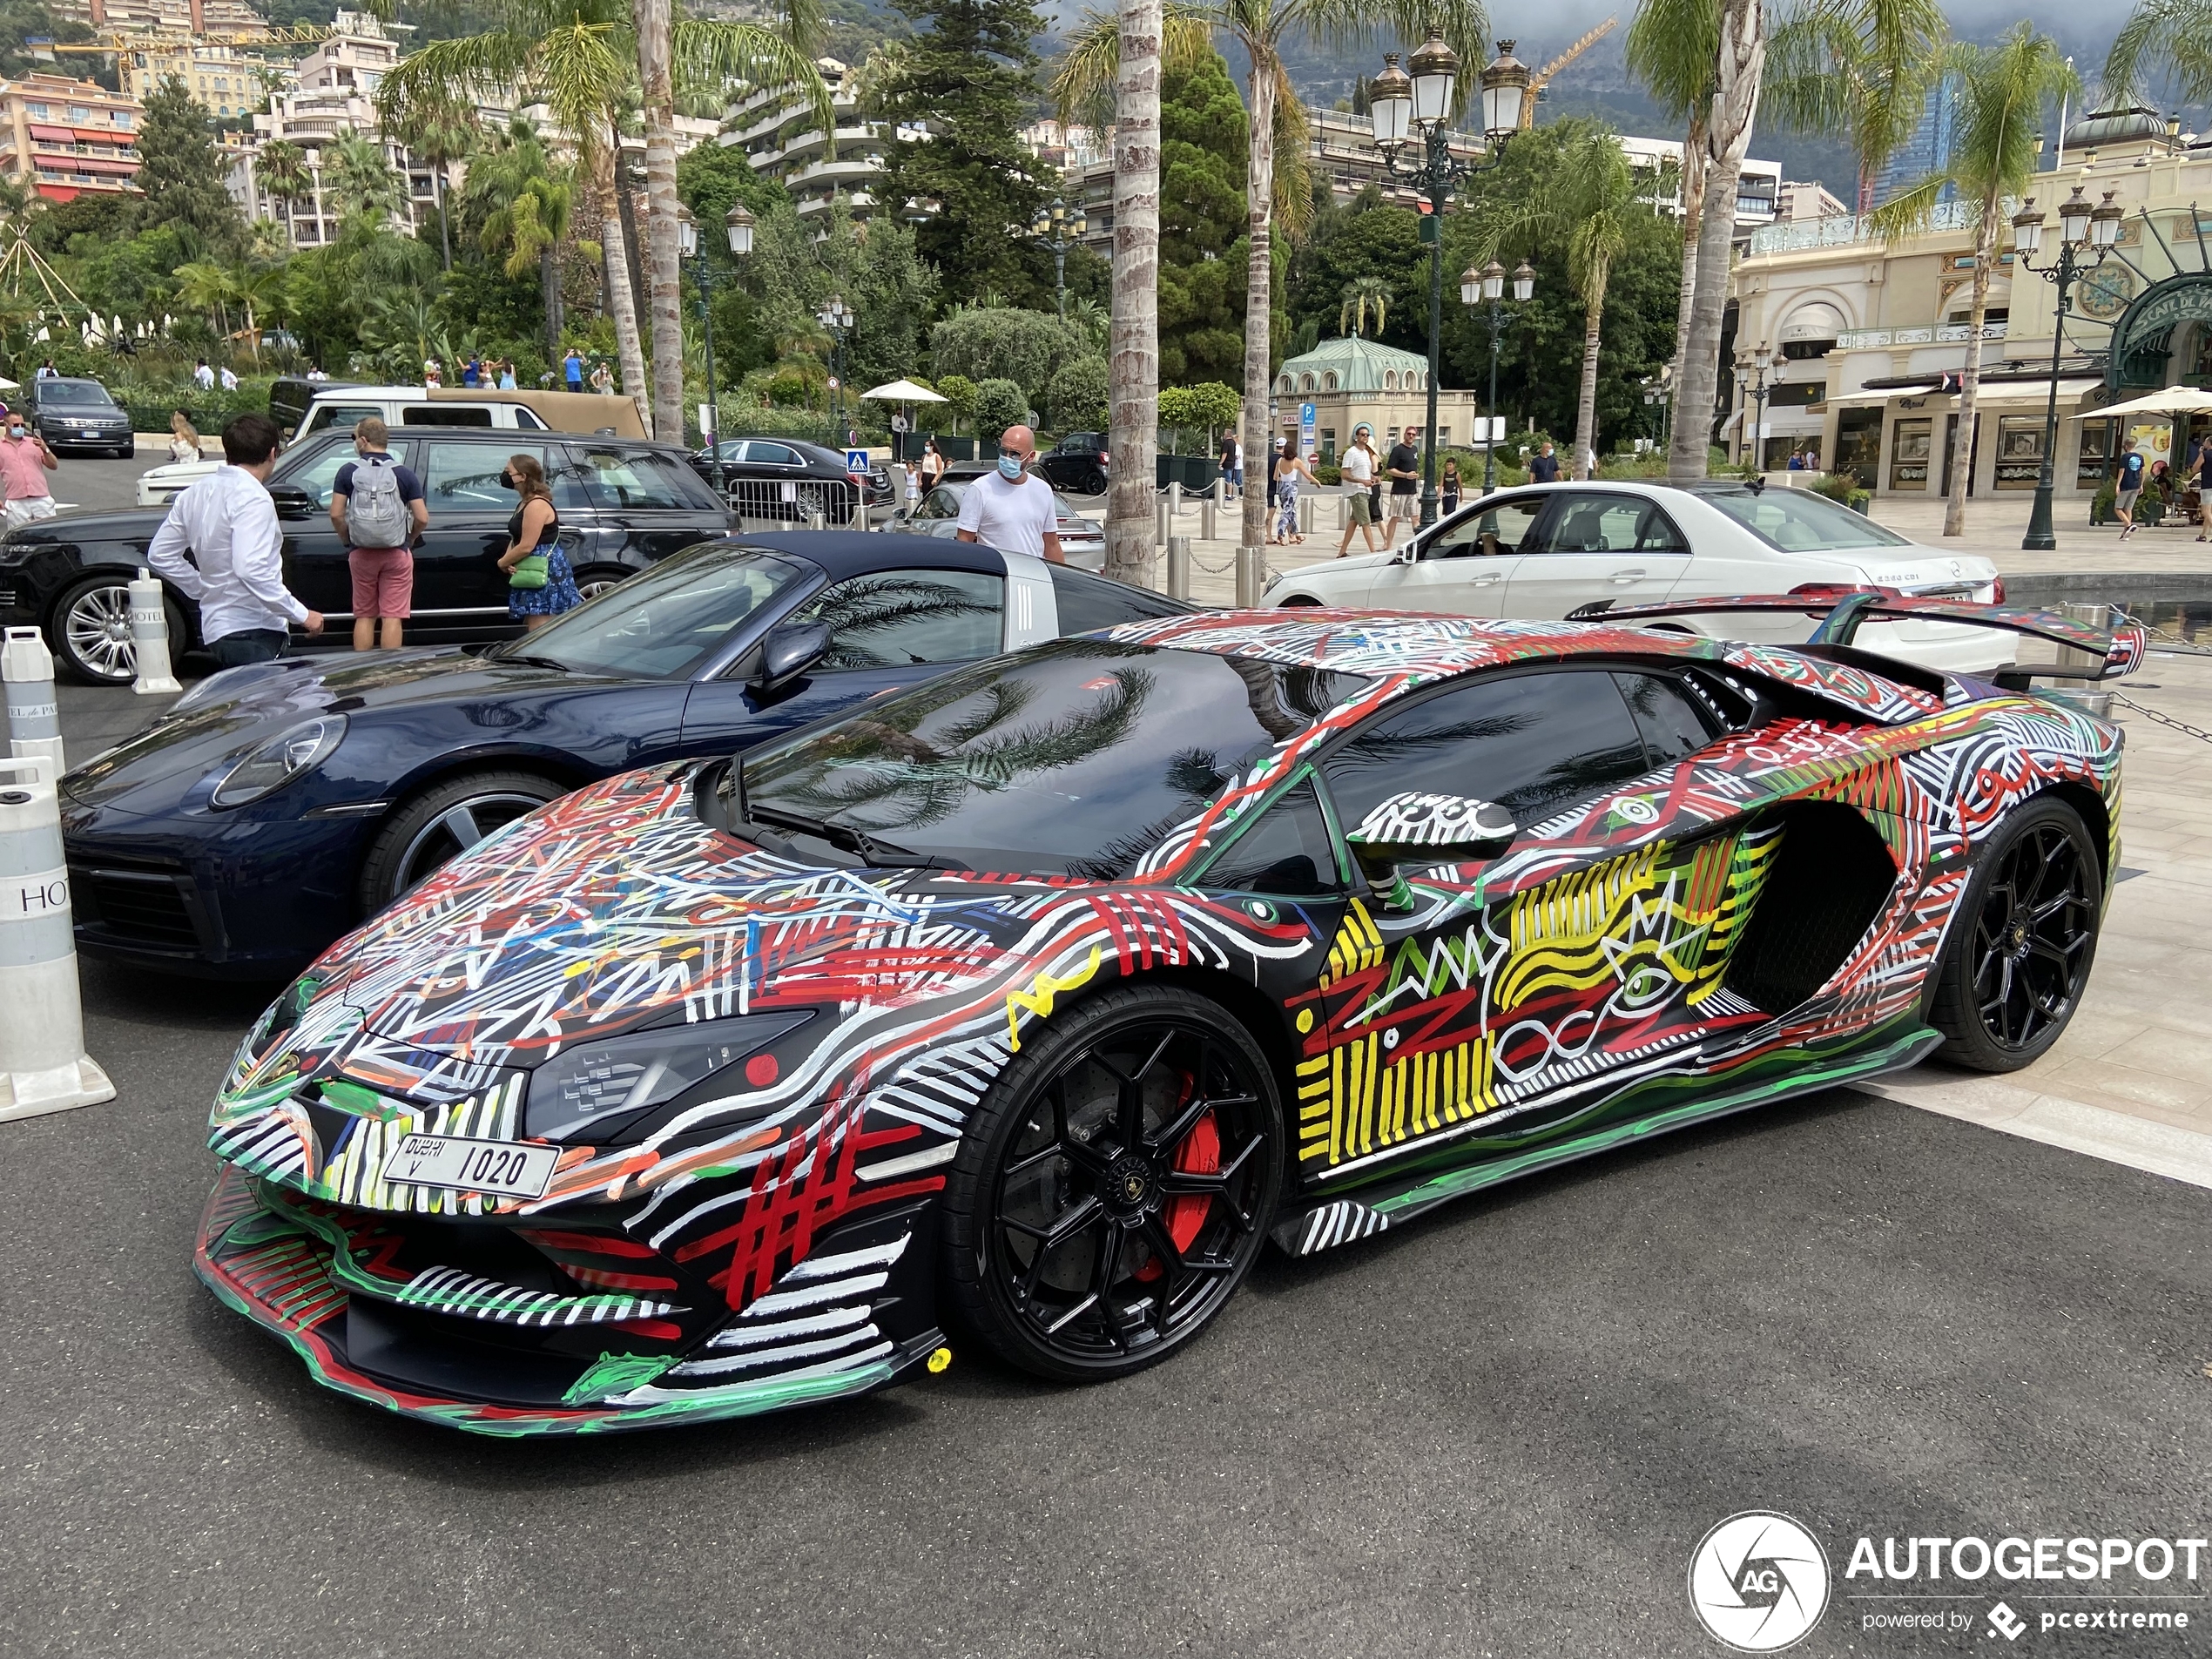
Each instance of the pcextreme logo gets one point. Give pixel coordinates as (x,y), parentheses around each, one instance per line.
(1758,1581)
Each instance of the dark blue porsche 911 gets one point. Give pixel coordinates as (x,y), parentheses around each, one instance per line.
(273,807)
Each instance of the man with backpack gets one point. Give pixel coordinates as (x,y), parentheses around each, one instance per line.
(377,508)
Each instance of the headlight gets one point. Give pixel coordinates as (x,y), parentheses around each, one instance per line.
(595,1083)
(277,762)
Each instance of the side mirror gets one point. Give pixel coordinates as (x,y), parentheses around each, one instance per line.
(1433,829)
(1409,554)
(789,652)
(292,502)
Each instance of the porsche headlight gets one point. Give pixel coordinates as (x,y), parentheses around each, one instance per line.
(594,1084)
(277,762)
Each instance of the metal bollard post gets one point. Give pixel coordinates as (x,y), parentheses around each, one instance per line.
(1174,504)
(1305,513)
(1160,521)
(34,721)
(860,513)
(814,521)
(1252,575)
(150,637)
(44,1066)
(1343,512)
(1206,519)
(1178,567)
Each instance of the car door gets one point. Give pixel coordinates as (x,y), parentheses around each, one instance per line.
(646,504)
(1620,545)
(1516,989)
(888,629)
(456,560)
(1463,566)
(315,556)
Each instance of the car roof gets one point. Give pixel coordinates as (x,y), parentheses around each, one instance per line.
(512,435)
(844,553)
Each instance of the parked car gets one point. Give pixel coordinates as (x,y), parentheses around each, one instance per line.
(272,807)
(790,480)
(77,415)
(1547,551)
(1082,542)
(1077,462)
(1036,998)
(623,506)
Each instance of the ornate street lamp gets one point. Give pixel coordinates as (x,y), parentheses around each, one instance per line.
(1475,287)
(1415,108)
(1058,232)
(837,317)
(2082,230)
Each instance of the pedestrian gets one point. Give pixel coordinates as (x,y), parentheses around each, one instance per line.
(236,573)
(1404,466)
(230,378)
(933,465)
(572,369)
(1357,470)
(47,371)
(2201,480)
(2129,487)
(1232,464)
(900,425)
(1289,467)
(1544,470)
(472,371)
(204,377)
(377,508)
(434,373)
(1451,486)
(24,462)
(1797,462)
(183,438)
(1010,509)
(318,373)
(540,585)
(913,473)
(603,380)
(507,375)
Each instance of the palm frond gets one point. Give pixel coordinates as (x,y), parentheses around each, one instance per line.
(482,63)
(1673,47)
(584,70)
(740,58)
(1293,157)
(1911,209)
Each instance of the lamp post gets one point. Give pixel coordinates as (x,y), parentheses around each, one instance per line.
(1417,105)
(2082,229)
(1055,231)
(836,316)
(739,222)
(1489,283)
(1752,376)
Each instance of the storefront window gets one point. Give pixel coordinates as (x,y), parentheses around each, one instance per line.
(2019,451)
(2096,455)
(1911,443)
(1858,442)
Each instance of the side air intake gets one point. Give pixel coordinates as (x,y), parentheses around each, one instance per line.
(1829,883)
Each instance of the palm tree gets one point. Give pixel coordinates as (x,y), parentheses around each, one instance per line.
(1133,359)
(285,177)
(1831,72)
(1361,296)
(2002,92)
(1585,206)
(438,128)
(207,287)
(582,58)
(2171,34)
(1263,32)
(524,199)
(363,181)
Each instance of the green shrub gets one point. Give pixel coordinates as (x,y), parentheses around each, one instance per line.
(999,404)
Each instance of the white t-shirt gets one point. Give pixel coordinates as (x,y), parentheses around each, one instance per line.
(1011,517)
(1357,467)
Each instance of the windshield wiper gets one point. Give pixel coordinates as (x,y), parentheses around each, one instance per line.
(533,661)
(884,855)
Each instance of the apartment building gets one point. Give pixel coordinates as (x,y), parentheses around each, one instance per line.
(67,136)
(782,139)
(230,81)
(199,17)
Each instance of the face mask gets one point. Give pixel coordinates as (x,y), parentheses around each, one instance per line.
(15,431)
(507,481)
(1009,466)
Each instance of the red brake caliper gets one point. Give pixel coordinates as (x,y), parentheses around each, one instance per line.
(1200,1154)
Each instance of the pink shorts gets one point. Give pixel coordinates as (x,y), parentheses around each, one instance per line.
(383,580)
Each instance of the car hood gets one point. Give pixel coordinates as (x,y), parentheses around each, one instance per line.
(233,711)
(135,525)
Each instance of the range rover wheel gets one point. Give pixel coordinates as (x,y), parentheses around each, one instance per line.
(1115,1184)
(594,580)
(91,631)
(443,823)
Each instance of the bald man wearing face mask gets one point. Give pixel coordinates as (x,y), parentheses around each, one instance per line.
(1011,510)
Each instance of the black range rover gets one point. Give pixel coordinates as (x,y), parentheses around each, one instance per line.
(624,505)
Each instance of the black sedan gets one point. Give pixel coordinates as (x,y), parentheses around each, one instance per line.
(78,415)
(623,506)
(273,807)
(789,480)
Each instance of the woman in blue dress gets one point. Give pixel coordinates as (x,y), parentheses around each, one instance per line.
(540,585)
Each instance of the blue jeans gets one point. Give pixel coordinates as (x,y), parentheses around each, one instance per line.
(250,645)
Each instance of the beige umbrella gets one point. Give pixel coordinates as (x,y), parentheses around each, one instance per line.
(2175,400)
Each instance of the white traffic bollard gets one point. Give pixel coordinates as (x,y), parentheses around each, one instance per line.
(44,1066)
(150,636)
(34,721)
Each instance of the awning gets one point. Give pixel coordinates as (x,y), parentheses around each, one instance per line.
(54,135)
(1864,400)
(85,163)
(2175,400)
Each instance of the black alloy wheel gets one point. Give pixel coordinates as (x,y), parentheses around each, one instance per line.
(1116,1185)
(2022,943)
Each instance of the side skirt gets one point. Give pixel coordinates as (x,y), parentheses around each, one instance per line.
(1302,1228)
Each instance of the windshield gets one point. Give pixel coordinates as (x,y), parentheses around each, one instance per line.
(666,621)
(1074,757)
(76,392)
(1797,520)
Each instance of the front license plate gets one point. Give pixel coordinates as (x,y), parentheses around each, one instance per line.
(501,1167)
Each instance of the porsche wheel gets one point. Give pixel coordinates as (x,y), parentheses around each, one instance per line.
(1115,1185)
(439,825)
(2021,948)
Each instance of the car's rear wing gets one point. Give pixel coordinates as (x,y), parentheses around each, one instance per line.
(2088,652)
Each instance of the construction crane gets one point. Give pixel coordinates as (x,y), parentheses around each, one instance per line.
(1542,76)
(118,43)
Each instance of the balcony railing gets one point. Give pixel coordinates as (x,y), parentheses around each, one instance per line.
(1945,334)
(1846,230)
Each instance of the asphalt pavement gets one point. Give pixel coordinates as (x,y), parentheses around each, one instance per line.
(1500,1431)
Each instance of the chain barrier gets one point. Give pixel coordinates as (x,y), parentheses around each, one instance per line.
(2174,641)
(2145,710)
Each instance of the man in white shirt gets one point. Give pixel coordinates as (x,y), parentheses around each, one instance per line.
(230,524)
(230,378)
(204,377)
(1011,510)
(1357,468)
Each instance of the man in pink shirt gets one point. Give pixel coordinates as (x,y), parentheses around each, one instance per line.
(24,462)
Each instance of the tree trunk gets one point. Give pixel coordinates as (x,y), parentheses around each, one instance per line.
(1693,206)
(549,285)
(445,232)
(1134,368)
(655,24)
(1586,403)
(633,242)
(627,346)
(1962,445)
(1259,276)
(1736,100)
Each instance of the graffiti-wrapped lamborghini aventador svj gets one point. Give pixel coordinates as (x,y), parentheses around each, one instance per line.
(1032,1000)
